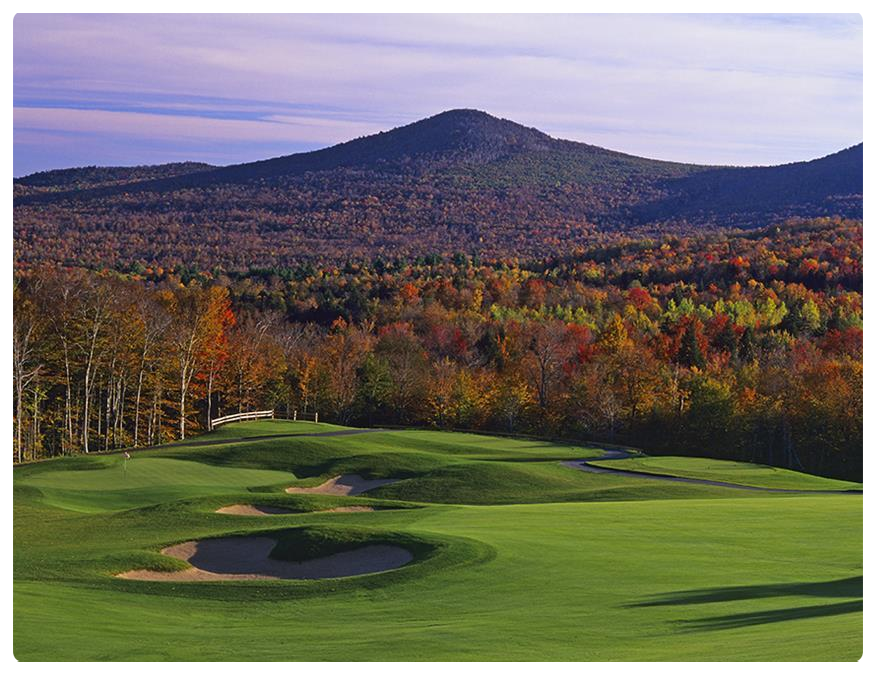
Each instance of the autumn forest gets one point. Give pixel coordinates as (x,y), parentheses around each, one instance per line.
(736,343)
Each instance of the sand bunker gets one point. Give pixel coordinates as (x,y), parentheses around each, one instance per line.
(246,558)
(342,485)
(246,509)
(349,509)
(256,510)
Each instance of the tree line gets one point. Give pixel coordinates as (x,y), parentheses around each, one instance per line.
(760,360)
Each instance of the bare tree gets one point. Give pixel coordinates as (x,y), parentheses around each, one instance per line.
(25,367)
(57,301)
(95,315)
(152,322)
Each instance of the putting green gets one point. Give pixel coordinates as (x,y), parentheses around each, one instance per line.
(520,557)
(114,483)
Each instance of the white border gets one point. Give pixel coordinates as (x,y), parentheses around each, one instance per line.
(423,6)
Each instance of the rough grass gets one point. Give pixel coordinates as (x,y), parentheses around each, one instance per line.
(577,567)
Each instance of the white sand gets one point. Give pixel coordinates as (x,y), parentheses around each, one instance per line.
(342,485)
(246,558)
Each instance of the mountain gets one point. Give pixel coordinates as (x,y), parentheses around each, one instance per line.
(452,141)
(461,180)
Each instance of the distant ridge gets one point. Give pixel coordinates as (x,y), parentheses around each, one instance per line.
(461,179)
(87,177)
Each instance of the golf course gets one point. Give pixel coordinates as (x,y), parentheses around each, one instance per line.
(281,540)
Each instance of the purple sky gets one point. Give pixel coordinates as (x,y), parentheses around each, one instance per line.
(136,89)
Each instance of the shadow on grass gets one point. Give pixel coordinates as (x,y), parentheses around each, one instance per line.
(845,587)
(776,615)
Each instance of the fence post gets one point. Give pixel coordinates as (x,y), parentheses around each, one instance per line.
(317,417)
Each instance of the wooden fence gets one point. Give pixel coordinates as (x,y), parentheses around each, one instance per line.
(263,414)
(241,416)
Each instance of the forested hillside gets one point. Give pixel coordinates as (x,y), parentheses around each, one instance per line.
(459,181)
(743,344)
(90,177)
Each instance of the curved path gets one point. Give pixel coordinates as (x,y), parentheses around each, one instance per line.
(618,454)
(579,464)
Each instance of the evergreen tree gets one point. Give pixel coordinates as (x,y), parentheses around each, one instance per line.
(690,353)
(746,347)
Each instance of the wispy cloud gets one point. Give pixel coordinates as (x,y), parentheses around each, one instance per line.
(183,128)
(704,88)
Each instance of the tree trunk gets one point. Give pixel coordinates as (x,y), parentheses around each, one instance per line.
(182,394)
(68,402)
(35,429)
(137,410)
(18,413)
(209,401)
(86,408)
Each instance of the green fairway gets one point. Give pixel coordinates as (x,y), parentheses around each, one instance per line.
(515,555)
(263,427)
(111,483)
(749,474)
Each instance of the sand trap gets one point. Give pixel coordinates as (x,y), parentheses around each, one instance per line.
(256,510)
(342,485)
(246,509)
(246,558)
(349,509)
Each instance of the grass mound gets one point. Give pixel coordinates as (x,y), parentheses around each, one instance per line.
(735,472)
(111,483)
(311,542)
(501,483)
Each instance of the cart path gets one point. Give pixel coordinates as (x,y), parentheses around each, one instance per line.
(577,464)
(619,454)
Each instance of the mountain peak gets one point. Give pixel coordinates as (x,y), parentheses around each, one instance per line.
(469,117)
(462,136)
(467,130)
(463,114)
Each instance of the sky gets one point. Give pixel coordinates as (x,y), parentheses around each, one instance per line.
(223,89)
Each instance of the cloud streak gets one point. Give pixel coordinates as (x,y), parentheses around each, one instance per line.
(704,88)
(184,128)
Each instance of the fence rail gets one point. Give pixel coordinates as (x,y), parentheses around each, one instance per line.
(241,416)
